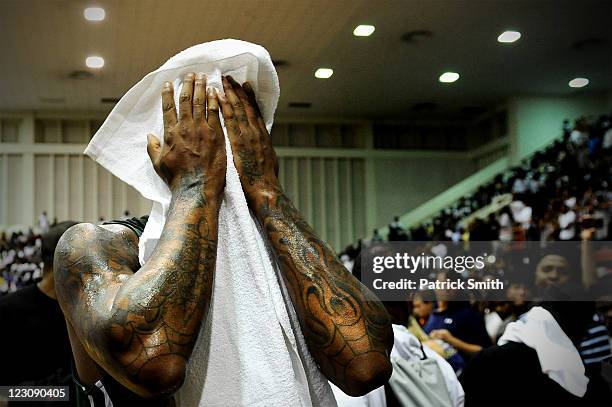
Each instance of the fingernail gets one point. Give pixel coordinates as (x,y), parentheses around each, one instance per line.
(200,76)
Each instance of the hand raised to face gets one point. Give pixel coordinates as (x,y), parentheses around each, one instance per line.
(193,153)
(254,156)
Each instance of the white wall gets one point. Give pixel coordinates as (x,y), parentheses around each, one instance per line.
(344,193)
(404,184)
(533,122)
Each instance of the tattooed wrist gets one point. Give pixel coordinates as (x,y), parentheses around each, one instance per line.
(196,185)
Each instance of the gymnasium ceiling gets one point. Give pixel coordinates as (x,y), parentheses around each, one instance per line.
(378,77)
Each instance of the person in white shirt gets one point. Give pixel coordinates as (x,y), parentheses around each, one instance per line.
(408,347)
(43,222)
(607,139)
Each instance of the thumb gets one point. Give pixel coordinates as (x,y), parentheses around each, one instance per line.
(153,148)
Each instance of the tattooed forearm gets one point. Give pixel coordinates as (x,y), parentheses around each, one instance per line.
(347,329)
(140,326)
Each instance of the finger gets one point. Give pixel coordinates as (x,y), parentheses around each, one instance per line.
(199,99)
(186,98)
(233,132)
(235,101)
(252,99)
(253,102)
(246,100)
(153,148)
(213,111)
(168,108)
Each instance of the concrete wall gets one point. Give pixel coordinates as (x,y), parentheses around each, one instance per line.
(404,184)
(533,122)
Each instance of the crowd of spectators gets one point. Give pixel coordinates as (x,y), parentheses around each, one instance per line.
(554,192)
(20,260)
(559,195)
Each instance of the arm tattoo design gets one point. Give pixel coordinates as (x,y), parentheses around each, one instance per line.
(250,168)
(343,322)
(135,325)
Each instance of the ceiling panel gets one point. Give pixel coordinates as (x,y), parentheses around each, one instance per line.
(375,77)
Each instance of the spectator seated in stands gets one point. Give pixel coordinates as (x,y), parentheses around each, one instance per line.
(536,362)
(456,323)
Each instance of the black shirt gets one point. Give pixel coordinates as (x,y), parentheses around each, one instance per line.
(511,375)
(34,342)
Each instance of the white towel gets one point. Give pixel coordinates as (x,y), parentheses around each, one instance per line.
(558,356)
(250,351)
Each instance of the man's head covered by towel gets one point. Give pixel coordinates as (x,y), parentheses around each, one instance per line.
(138,329)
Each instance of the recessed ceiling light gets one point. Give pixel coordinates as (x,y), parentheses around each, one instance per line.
(578,82)
(94,14)
(324,73)
(363,30)
(508,37)
(448,77)
(95,62)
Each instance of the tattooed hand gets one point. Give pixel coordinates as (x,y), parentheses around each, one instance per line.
(194,146)
(253,154)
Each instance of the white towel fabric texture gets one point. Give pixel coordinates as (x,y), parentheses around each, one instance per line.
(250,351)
(558,356)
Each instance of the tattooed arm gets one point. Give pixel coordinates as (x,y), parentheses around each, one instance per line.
(141,327)
(347,329)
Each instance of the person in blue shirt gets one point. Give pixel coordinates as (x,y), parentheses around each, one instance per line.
(457,323)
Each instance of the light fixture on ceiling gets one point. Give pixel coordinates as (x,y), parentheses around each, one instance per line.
(94,14)
(363,30)
(324,73)
(578,83)
(448,77)
(94,62)
(508,37)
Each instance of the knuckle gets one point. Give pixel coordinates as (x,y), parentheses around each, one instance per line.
(185,97)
